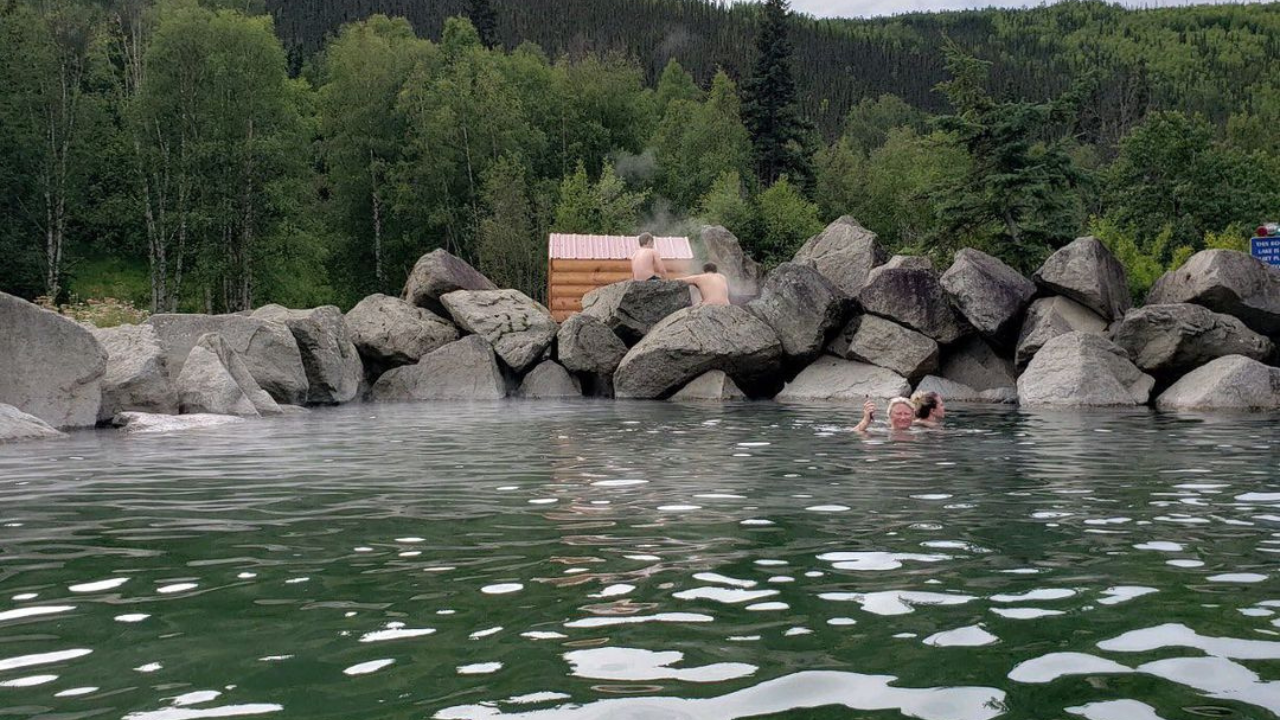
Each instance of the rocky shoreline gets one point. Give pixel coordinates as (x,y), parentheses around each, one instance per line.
(842,321)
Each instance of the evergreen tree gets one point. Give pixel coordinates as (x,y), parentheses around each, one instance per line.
(485,19)
(1017,198)
(769,107)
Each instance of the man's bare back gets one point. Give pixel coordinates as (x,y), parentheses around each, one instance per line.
(712,286)
(646,264)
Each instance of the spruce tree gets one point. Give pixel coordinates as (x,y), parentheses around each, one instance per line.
(769,107)
(486,21)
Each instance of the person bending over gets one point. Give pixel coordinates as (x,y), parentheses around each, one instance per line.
(712,286)
(646,264)
(901,414)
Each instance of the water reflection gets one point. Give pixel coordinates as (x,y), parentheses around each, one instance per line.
(585,560)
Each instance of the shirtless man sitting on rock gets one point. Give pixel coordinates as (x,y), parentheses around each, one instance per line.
(712,286)
(646,264)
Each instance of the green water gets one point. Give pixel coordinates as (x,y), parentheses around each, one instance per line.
(645,560)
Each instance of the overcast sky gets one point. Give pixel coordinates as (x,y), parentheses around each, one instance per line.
(868,8)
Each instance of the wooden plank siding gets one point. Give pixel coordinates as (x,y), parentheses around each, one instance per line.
(568,280)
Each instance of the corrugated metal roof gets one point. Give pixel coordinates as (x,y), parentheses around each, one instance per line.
(564,246)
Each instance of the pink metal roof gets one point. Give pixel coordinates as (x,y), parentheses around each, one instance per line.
(564,246)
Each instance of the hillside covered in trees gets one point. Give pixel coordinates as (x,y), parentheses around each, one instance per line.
(217,155)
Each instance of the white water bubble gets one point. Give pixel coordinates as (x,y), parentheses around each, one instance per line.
(1123,593)
(176,588)
(724,580)
(76,691)
(1160,545)
(365,668)
(828,508)
(485,633)
(728,596)
(613,591)
(678,508)
(22,661)
(760,522)
(1021,613)
(26,596)
(98,586)
(1048,668)
(1185,563)
(34,611)
(483,668)
(543,635)
(149,667)
(618,483)
(971,636)
(131,617)
(1237,578)
(410,540)
(792,632)
(395,633)
(31,681)
(673,617)
(767,607)
(502,588)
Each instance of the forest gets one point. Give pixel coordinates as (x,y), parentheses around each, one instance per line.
(214,156)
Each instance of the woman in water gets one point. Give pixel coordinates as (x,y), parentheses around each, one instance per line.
(930,411)
(901,414)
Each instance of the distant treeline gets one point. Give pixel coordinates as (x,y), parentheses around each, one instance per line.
(216,155)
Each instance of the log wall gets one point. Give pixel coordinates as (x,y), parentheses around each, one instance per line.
(569,280)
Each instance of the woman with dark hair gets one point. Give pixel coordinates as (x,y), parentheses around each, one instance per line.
(930,410)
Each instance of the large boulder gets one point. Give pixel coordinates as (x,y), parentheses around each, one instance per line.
(462,370)
(215,379)
(949,389)
(549,380)
(1081,369)
(389,332)
(584,344)
(1228,282)
(438,273)
(1169,340)
(710,386)
(1233,382)
(1087,272)
(50,367)
(830,378)
(976,364)
(518,328)
(988,293)
(16,425)
(631,308)
(141,422)
(268,349)
(330,358)
(844,253)
(874,340)
(1050,317)
(802,307)
(721,247)
(135,378)
(912,296)
(695,340)
(909,262)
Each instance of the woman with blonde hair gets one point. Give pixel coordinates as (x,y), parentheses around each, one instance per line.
(901,414)
(929,408)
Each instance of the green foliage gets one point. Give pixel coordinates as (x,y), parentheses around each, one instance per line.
(769,107)
(605,207)
(903,179)
(698,142)
(868,123)
(485,21)
(1143,263)
(511,241)
(1017,199)
(726,204)
(674,84)
(786,220)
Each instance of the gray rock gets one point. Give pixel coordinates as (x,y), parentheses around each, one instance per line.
(830,378)
(585,344)
(548,380)
(695,340)
(988,293)
(1087,272)
(215,379)
(912,297)
(802,307)
(141,422)
(978,365)
(330,358)
(135,377)
(721,247)
(710,386)
(1050,317)
(631,308)
(1233,382)
(845,252)
(267,348)
(909,262)
(1081,369)
(438,273)
(16,425)
(1170,340)
(463,370)
(50,367)
(1003,395)
(874,340)
(1228,282)
(518,328)
(389,332)
(949,389)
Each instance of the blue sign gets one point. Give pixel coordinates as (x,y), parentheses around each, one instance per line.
(1266,249)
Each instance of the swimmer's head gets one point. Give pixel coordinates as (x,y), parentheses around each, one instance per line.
(645,239)
(928,405)
(901,413)
(709,267)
